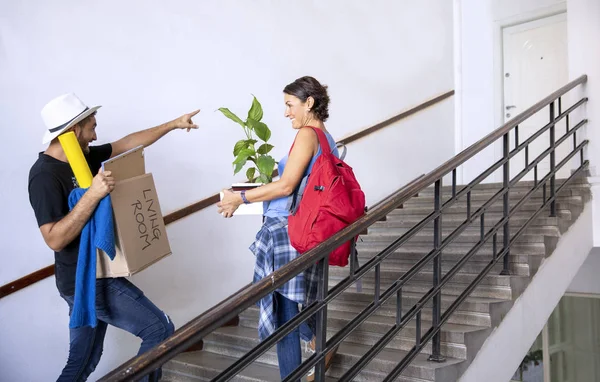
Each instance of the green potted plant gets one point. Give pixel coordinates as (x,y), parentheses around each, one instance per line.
(245,152)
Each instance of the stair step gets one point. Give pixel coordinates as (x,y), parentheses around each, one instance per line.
(409,299)
(532,235)
(419,249)
(473,229)
(385,362)
(460,207)
(522,185)
(387,359)
(414,291)
(453,221)
(472,266)
(390,273)
(473,311)
(576,185)
(205,365)
(460,317)
(246,338)
(519,264)
(452,334)
(498,292)
(514,194)
(194,366)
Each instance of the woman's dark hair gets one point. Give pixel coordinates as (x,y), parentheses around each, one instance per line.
(307,86)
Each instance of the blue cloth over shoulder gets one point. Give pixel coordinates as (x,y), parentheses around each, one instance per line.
(98,232)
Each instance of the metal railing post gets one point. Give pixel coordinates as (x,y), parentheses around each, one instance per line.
(506,203)
(321,329)
(436,355)
(153,376)
(552,162)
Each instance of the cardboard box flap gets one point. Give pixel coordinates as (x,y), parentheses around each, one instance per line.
(127,165)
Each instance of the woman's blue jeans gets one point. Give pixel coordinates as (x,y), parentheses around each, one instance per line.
(289,353)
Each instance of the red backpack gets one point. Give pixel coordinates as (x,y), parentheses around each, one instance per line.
(332,200)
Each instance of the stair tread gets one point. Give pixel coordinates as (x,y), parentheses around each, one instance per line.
(349,349)
(348,316)
(218,362)
(483,197)
(392,320)
(396,267)
(257,371)
(531,231)
(564,203)
(414,283)
(453,248)
(367,290)
(452,289)
(394,356)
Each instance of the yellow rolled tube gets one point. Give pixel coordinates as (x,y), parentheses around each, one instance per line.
(77,161)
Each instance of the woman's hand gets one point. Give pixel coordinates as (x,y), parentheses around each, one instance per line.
(230,203)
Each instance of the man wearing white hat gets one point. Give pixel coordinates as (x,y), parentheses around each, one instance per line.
(51,180)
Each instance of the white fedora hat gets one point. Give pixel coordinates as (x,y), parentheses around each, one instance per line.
(62,113)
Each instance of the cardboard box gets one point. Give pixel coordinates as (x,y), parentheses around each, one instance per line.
(140,235)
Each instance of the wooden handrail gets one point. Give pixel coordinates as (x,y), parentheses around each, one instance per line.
(26,281)
(396,118)
(172,217)
(233,305)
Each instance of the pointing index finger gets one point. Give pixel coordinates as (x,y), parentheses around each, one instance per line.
(193,113)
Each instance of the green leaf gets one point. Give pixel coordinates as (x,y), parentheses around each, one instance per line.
(261,130)
(231,116)
(238,167)
(265,164)
(250,173)
(263,179)
(243,144)
(239,145)
(256,111)
(243,155)
(264,148)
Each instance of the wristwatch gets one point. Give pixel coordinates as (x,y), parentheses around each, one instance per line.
(243,195)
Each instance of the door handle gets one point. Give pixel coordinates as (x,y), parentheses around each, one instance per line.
(508,107)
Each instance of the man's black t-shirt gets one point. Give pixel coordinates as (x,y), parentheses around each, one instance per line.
(50,183)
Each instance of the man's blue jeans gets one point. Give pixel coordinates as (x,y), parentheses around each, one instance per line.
(123,305)
(289,354)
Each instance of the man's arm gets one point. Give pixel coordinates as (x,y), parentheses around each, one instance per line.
(58,235)
(151,135)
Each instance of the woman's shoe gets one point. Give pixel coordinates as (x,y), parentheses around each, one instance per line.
(310,348)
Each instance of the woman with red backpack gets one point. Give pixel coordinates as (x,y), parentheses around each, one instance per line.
(306,105)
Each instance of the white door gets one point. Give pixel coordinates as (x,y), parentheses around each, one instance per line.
(535,65)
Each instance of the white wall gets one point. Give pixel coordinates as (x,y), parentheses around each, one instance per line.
(150,61)
(586,280)
(478,69)
(584,58)
(387,160)
(505,348)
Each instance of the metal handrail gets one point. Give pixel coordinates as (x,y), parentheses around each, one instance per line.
(246,297)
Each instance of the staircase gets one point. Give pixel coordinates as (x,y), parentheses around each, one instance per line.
(467,328)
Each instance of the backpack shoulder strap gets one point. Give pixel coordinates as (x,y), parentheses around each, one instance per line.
(323,141)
